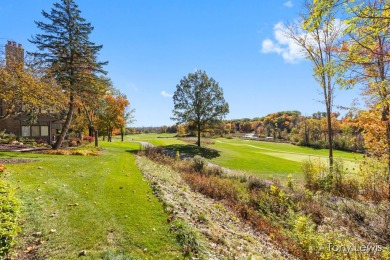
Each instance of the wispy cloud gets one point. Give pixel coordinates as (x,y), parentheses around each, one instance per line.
(132,86)
(282,45)
(166,94)
(288,4)
(290,51)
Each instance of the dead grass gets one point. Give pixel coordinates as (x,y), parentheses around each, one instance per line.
(74,152)
(221,233)
(299,221)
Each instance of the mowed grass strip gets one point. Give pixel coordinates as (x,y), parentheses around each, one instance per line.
(290,149)
(272,159)
(250,159)
(98,204)
(155,139)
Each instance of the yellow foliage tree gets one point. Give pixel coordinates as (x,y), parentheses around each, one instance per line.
(181,130)
(26,90)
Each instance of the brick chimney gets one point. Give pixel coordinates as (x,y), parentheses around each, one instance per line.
(14,52)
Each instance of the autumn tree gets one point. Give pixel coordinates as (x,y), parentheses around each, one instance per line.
(198,101)
(128,118)
(355,8)
(320,46)
(366,54)
(368,60)
(64,46)
(375,165)
(227,128)
(246,127)
(113,114)
(25,89)
(89,103)
(92,101)
(181,130)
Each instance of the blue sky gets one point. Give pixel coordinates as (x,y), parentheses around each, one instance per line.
(151,45)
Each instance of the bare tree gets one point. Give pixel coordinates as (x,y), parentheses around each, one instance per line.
(321,47)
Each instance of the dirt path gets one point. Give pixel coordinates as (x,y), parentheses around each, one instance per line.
(19,148)
(145,144)
(222,234)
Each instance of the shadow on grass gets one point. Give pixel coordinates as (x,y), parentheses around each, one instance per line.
(134,151)
(193,150)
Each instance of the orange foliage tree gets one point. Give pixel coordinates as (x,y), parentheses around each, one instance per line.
(114,115)
(369,63)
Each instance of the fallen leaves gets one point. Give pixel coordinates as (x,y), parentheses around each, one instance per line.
(37,234)
(29,249)
(83,253)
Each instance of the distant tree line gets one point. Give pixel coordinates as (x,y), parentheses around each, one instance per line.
(289,126)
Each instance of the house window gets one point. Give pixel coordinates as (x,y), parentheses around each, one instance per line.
(25,130)
(35,130)
(44,130)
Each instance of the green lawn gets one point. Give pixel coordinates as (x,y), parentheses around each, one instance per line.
(116,216)
(288,148)
(272,159)
(262,158)
(155,139)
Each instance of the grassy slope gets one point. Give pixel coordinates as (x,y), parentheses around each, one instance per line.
(116,215)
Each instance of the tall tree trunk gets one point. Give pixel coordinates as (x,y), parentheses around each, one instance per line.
(385,118)
(96,136)
(199,134)
(65,126)
(49,130)
(306,133)
(386,109)
(327,88)
(122,134)
(388,158)
(108,135)
(330,137)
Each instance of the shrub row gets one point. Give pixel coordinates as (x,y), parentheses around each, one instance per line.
(369,183)
(9,216)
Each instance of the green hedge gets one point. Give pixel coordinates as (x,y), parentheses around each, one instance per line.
(9,217)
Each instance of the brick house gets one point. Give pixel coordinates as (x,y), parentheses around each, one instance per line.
(46,127)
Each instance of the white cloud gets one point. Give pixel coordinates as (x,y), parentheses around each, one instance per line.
(166,94)
(290,51)
(288,4)
(132,86)
(283,45)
